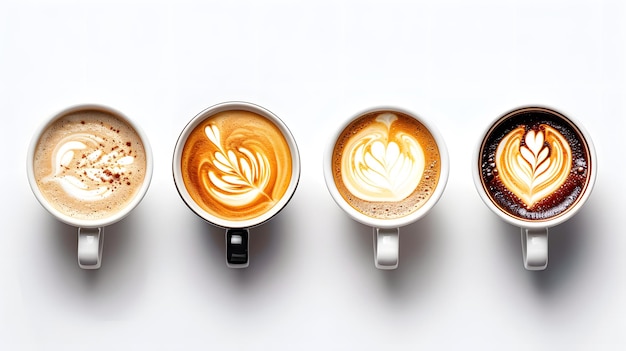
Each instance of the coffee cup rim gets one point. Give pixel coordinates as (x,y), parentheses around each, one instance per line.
(378,222)
(207,113)
(535,224)
(89,223)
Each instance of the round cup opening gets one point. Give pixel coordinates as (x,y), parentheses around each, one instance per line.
(78,176)
(534,167)
(227,166)
(340,192)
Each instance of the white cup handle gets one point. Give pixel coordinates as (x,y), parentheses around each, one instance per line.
(90,244)
(386,247)
(535,248)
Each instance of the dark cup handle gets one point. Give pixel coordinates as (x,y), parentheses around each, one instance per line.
(237,248)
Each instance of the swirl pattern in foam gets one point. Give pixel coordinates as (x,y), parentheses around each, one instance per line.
(386,164)
(533,164)
(89,164)
(380,166)
(236,165)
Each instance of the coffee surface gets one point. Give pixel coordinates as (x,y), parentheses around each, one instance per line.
(89,164)
(386,164)
(236,165)
(534,164)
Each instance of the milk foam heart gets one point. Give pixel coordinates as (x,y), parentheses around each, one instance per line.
(386,164)
(378,165)
(535,164)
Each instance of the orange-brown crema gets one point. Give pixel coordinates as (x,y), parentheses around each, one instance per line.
(236,165)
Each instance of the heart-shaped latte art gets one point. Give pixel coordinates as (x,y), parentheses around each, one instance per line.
(533,164)
(380,164)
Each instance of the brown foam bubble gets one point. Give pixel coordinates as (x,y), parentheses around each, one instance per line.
(384,204)
(89,164)
(236,165)
(535,196)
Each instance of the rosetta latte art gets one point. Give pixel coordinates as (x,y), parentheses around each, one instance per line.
(236,165)
(237,178)
(533,164)
(85,171)
(379,165)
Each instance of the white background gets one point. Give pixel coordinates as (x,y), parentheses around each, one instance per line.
(311,284)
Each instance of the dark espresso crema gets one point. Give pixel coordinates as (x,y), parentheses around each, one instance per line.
(386,164)
(534,164)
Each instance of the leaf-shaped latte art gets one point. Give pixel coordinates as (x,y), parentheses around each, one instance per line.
(238,176)
(380,165)
(535,168)
(83,170)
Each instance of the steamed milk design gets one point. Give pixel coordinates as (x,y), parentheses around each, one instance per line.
(377,166)
(236,165)
(386,164)
(89,164)
(535,164)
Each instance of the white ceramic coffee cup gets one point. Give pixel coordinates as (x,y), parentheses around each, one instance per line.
(90,232)
(534,233)
(386,231)
(237,232)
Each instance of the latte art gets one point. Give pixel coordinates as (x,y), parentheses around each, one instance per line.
(236,165)
(533,164)
(89,164)
(379,166)
(238,176)
(386,164)
(84,171)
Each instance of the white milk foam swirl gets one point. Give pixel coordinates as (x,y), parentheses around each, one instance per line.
(97,167)
(240,178)
(377,165)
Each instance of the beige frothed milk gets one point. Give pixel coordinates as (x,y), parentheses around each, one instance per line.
(89,164)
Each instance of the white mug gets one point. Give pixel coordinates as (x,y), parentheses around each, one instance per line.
(94,181)
(236,165)
(392,169)
(534,167)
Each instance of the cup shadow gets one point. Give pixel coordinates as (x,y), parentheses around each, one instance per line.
(108,291)
(566,243)
(264,248)
(418,242)
(117,251)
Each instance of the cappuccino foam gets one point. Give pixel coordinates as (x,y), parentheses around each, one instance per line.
(236,165)
(386,164)
(534,164)
(89,164)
